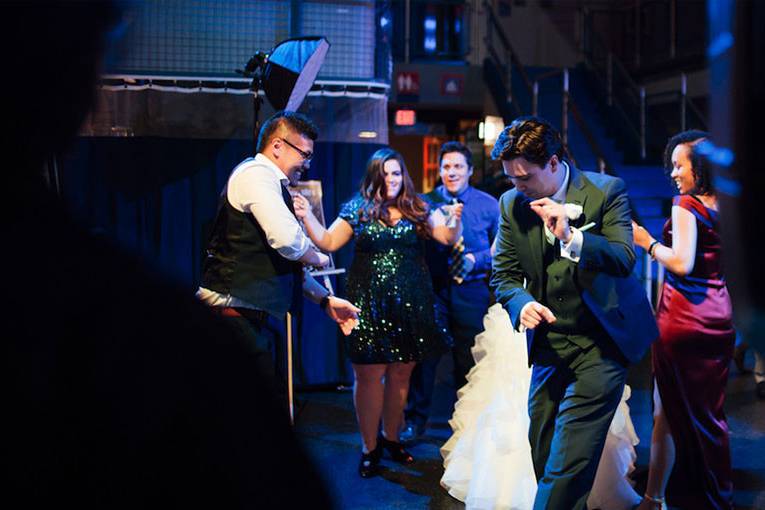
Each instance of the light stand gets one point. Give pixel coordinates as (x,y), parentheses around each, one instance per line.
(286,75)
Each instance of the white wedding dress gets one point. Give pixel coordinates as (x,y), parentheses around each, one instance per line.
(487,460)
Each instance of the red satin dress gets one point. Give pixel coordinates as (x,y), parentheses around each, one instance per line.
(690,364)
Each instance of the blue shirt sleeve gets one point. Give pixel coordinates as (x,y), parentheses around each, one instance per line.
(483,257)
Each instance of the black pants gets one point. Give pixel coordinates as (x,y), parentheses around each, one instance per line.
(262,336)
(571,404)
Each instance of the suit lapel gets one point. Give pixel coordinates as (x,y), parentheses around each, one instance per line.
(532,224)
(531,227)
(575,194)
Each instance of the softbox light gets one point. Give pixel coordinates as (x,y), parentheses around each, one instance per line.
(291,70)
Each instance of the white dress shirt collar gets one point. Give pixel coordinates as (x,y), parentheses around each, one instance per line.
(560,195)
(278,174)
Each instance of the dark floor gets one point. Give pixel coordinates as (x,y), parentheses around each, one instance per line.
(326,422)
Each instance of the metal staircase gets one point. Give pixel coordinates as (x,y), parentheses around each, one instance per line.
(597,123)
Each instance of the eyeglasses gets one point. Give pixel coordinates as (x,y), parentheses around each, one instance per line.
(307,156)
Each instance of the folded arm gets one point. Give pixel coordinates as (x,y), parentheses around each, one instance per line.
(258,193)
(440,232)
(330,240)
(611,251)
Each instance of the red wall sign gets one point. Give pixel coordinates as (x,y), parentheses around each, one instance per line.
(408,82)
(405,118)
(452,84)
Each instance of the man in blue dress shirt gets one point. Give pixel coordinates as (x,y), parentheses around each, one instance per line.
(460,279)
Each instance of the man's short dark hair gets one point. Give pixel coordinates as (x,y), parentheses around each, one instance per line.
(294,121)
(456,147)
(531,138)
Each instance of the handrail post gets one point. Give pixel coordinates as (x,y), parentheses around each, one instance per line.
(586,42)
(683,96)
(509,65)
(637,33)
(564,107)
(649,278)
(610,79)
(488,37)
(535,98)
(672,28)
(659,280)
(407,29)
(642,122)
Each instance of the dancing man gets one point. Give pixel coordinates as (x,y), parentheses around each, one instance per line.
(255,256)
(562,270)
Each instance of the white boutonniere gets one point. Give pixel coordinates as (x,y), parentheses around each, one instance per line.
(573,211)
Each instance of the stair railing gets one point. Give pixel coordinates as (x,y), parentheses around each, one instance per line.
(503,55)
(565,100)
(624,97)
(652,284)
(511,61)
(568,105)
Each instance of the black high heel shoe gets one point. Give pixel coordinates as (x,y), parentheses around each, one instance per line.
(369,465)
(396,450)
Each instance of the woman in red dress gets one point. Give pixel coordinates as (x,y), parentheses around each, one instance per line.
(690,448)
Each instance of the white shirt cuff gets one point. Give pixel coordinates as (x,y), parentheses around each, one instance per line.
(572,250)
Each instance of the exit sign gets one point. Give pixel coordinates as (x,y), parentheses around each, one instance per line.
(405,117)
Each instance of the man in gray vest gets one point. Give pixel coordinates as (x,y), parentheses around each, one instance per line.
(257,250)
(563,270)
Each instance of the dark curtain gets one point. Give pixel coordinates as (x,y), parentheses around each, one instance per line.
(156,197)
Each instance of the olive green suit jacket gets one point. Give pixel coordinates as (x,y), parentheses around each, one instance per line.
(603,274)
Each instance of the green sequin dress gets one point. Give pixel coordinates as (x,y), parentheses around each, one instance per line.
(390,282)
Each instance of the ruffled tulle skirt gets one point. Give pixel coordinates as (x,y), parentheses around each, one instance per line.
(487,460)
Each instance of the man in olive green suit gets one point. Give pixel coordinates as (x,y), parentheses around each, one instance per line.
(562,270)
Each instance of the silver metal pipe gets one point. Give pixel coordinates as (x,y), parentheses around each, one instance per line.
(564,108)
(642,122)
(648,269)
(637,33)
(683,99)
(509,65)
(659,280)
(610,79)
(407,30)
(672,28)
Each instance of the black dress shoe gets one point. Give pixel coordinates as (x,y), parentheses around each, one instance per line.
(369,465)
(411,432)
(761,389)
(396,450)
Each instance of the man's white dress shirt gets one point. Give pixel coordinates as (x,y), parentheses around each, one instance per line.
(255,186)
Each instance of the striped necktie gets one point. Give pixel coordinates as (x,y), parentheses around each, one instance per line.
(457,261)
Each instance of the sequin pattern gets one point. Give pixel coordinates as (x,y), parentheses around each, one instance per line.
(390,282)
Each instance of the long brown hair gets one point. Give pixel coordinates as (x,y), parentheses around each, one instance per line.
(376,202)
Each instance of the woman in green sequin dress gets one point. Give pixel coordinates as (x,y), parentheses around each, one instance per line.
(390,282)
